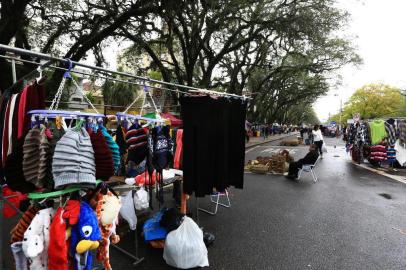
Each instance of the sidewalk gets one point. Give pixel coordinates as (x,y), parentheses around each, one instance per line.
(254,141)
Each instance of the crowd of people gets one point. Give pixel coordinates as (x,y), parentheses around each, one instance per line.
(266,130)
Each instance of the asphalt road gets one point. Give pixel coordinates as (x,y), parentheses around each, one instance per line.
(340,222)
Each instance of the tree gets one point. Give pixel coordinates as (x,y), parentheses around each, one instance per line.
(69,28)
(118,93)
(373,101)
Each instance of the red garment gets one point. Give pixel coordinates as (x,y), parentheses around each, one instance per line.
(9,211)
(5,133)
(15,118)
(21,112)
(177,162)
(34,100)
(58,248)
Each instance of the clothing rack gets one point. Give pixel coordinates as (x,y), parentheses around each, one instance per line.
(48,57)
(107,74)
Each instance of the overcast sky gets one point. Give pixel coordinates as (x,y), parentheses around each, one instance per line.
(379,30)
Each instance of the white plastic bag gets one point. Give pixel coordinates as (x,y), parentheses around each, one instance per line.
(185,248)
(324,148)
(141,199)
(127,210)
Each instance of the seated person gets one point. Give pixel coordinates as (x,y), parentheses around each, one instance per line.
(310,158)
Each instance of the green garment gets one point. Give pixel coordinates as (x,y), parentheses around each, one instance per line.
(378,132)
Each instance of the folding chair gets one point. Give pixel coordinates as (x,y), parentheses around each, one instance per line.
(310,169)
(215,198)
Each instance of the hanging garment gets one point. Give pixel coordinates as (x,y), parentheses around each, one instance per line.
(160,145)
(213,143)
(15,119)
(35,100)
(115,150)
(5,133)
(22,112)
(391,154)
(58,246)
(13,169)
(390,130)
(177,163)
(36,239)
(400,153)
(137,143)
(4,101)
(10,123)
(73,162)
(378,153)
(378,132)
(20,261)
(102,155)
(120,139)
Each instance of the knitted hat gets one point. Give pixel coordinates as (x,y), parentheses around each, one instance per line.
(45,156)
(31,156)
(73,161)
(13,170)
(137,142)
(115,150)
(102,155)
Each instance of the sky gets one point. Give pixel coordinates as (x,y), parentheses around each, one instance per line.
(378,29)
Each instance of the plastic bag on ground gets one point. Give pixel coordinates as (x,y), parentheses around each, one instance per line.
(141,199)
(185,248)
(127,210)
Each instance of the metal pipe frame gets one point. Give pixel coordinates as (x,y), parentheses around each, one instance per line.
(48,57)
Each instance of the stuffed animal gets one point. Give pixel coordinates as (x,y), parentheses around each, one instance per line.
(36,239)
(85,236)
(107,209)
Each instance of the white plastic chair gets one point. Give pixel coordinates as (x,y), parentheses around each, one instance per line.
(215,198)
(310,169)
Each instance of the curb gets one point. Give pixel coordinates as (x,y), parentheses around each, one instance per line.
(401,179)
(271,140)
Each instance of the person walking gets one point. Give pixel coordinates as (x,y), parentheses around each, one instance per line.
(318,139)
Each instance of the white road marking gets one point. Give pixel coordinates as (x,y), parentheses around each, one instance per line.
(249,150)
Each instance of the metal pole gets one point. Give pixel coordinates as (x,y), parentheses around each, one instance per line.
(13,70)
(74,63)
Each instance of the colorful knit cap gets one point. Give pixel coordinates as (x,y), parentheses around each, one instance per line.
(115,150)
(103,156)
(137,143)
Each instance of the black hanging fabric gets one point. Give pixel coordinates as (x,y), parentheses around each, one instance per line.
(213,142)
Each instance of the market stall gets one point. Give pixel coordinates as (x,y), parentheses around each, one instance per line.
(80,181)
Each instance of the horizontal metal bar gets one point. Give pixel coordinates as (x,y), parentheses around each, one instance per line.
(66,61)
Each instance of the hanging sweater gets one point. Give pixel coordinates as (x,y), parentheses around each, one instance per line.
(378,132)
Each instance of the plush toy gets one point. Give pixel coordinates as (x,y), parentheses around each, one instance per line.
(36,239)
(107,209)
(85,236)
